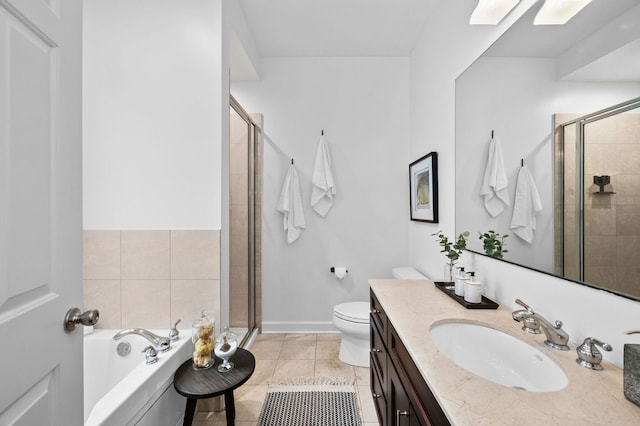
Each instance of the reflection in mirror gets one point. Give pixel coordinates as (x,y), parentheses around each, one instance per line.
(515,89)
(601,234)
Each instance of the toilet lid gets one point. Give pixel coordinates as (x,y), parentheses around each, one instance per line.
(353,311)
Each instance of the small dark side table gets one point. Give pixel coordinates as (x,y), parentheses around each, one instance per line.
(199,384)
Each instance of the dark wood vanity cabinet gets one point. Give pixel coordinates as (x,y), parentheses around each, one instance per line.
(401,396)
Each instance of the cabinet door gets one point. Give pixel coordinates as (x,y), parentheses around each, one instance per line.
(400,412)
(424,402)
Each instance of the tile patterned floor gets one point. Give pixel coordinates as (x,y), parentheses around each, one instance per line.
(280,356)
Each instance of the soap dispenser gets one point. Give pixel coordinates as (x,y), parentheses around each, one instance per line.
(473,289)
(460,279)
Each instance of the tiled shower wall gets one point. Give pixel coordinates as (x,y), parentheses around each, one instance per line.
(612,222)
(151,278)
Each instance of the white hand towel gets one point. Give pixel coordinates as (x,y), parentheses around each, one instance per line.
(324,187)
(290,203)
(494,183)
(526,204)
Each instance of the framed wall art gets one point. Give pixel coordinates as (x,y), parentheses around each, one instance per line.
(423,188)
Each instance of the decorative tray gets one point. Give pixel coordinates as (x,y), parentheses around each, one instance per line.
(447,288)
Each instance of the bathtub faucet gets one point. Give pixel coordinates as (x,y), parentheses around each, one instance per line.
(162,344)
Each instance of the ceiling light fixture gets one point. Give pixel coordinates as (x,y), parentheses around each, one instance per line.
(491,12)
(559,12)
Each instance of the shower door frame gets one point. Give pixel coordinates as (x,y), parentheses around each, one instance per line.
(580,123)
(253,224)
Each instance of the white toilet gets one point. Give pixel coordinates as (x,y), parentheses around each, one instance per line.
(352,320)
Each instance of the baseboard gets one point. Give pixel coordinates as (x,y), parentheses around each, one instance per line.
(316,327)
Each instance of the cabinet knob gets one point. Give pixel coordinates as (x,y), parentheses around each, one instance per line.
(375,395)
(375,350)
(375,311)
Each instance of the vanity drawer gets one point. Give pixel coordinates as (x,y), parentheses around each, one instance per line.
(378,392)
(378,316)
(378,354)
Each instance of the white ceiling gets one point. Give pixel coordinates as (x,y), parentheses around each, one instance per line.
(357,28)
(524,39)
(316,28)
(527,40)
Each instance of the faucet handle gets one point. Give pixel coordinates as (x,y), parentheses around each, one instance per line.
(632,332)
(150,355)
(588,354)
(174,334)
(524,305)
(530,325)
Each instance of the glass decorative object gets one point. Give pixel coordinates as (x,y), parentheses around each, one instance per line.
(202,330)
(226,345)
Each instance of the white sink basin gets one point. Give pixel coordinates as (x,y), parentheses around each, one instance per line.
(498,356)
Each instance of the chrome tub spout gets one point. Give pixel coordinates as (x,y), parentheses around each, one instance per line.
(161,344)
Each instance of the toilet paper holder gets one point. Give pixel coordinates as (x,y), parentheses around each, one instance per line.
(333,270)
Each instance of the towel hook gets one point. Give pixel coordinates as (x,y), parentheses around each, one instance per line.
(521,162)
(321,132)
(492,134)
(292,161)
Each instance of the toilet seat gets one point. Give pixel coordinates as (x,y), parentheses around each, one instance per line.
(357,312)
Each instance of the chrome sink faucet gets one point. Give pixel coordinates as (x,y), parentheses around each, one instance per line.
(161,344)
(556,337)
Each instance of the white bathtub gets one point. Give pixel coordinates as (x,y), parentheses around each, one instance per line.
(124,390)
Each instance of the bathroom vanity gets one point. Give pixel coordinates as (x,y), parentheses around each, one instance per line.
(400,394)
(413,383)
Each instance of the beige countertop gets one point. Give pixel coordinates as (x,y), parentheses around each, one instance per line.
(590,398)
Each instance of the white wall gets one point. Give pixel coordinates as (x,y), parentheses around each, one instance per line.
(434,68)
(153,114)
(362,104)
(516,98)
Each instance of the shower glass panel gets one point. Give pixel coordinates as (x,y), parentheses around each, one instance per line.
(611,218)
(244,222)
(600,190)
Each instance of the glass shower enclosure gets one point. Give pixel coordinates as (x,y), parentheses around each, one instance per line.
(598,187)
(245,159)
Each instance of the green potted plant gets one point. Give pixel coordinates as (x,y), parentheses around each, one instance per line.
(452,250)
(493,243)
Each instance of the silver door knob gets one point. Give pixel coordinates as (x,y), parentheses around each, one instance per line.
(75,316)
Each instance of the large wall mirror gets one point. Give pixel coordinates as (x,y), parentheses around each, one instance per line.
(528,83)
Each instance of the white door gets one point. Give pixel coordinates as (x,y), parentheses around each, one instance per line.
(40,211)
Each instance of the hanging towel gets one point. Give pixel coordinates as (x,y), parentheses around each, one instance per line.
(494,183)
(290,204)
(526,205)
(324,187)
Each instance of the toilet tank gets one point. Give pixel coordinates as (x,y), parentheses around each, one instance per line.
(407,273)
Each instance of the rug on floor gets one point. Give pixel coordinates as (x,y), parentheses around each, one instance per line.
(311,402)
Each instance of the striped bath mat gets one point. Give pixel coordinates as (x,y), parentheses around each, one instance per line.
(315,402)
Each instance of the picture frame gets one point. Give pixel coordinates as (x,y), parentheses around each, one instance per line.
(423,188)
